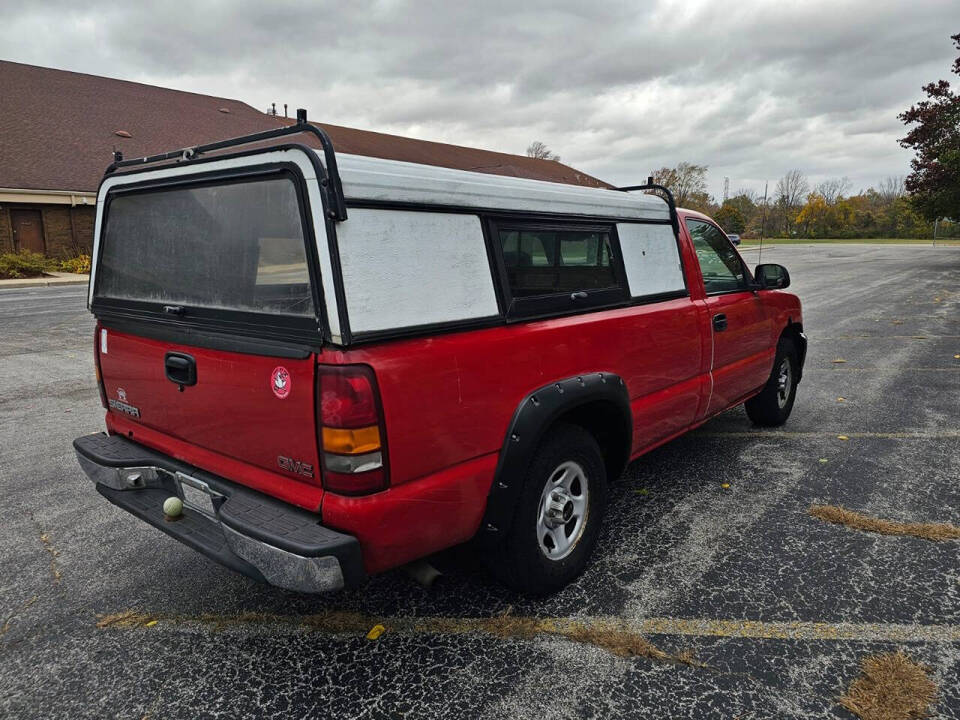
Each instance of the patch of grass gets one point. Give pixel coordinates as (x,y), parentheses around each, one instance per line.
(623,644)
(891,687)
(752,242)
(927,531)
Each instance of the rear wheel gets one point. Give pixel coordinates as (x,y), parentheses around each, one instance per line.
(773,405)
(558,516)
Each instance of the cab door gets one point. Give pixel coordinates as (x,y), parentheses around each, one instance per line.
(740,329)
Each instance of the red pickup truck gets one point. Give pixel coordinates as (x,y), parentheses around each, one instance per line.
(318,366)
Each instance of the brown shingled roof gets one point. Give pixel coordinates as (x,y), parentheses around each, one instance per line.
(426,152)
(58,130)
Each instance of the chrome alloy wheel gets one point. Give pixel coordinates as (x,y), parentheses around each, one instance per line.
(563,510)
(784,382)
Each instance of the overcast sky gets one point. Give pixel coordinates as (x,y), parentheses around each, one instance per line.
(751,89)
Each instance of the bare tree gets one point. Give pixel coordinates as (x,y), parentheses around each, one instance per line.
(789,195)
(687,182)
(792,188)
(891,188)
(833,189)
(537,149)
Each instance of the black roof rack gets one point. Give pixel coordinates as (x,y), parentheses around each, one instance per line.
(336,206)
(667,196)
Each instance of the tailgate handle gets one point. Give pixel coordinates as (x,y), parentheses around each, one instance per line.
(180,368)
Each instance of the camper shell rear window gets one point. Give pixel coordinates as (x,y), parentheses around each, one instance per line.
(233,245)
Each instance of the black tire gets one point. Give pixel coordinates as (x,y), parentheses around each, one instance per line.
(770,408)
(519,562)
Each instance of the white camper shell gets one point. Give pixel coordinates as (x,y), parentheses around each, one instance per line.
(393,248)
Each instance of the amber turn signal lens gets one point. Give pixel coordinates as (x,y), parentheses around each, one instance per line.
(347,441)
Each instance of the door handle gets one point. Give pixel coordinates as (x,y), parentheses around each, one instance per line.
(720,322)
(180,369)
(578,295)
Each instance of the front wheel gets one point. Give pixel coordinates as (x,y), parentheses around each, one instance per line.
(557,519)
(773,405)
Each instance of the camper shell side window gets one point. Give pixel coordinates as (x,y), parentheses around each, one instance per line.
(556,267)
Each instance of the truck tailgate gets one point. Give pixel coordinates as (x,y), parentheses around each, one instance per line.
(255,409)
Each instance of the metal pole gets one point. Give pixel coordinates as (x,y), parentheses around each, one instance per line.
(936,223)
(763,221)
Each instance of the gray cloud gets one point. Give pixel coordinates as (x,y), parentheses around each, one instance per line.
(749,88)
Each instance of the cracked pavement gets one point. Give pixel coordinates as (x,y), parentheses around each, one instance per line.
(778,607)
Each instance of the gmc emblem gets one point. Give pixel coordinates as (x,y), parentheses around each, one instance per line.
(295,466)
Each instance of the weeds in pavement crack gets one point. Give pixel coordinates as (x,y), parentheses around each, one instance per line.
(51,550)
(927,531)
(605,635)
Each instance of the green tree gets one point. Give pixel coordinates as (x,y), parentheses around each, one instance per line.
(730,218)
(934,184)
(745,203)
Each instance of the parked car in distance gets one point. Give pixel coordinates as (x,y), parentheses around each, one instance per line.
(317,367)
(734,238)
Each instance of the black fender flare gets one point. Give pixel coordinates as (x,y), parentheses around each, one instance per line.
(794,331)
(531,420)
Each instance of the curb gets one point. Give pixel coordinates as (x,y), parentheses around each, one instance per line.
(41,282)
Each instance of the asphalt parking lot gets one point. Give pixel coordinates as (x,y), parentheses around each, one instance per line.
(102,616)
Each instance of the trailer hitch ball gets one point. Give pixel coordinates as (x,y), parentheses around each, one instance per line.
(172,508)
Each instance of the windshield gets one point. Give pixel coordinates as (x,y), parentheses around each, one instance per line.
(234,246)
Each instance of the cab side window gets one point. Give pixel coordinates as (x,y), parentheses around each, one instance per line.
(720,264)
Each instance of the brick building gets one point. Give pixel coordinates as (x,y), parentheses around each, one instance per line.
(59,129)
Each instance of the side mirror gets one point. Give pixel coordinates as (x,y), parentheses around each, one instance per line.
(772,277)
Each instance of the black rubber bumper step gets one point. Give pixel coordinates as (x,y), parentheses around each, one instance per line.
(245,530)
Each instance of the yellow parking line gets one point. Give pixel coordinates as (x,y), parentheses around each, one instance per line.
(905,435)
(604,631)
(889,368)
(881,632)
(917,336)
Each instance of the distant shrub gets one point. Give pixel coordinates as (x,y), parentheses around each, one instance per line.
(79,264)
(25,264)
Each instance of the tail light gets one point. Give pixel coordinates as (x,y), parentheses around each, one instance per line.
(351,431)
(99,343)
